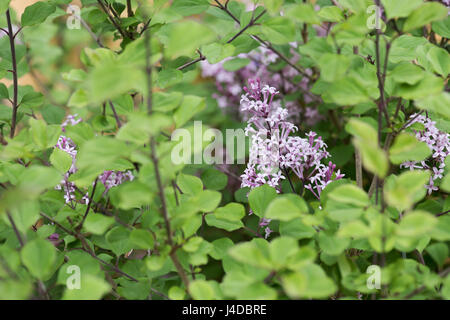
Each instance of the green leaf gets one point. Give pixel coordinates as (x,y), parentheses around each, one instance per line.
(180,42)
(141,239)
(78,99)
(213,221)
(169,77)
(273,6)
(440,60)
(303,13)
(350,194)
(43,136)
(282,251)
(140,127)
(189,7)
(214,179)
(254,253)
(332,245)
(416,223)
(133,195)
(38,256)
(36,179)
(296,229)
(193,244)
(100,153)
(442,28)
(190,185)
(37,13)
(354,229)
(346,202)
(32,100)
(331,14)
(333,66)
(220,248)
(308,282)
(189,107)
(439,253)
(4,6)
(232,212)
(403,191)
(208,200)
(236,64)
(355,5)
(61,160)
(260,197)
(407,73)
(216,52)
(97,223)
(286,207)
(164,102)
(4,94)
(407,148)
(366,140)
(176,293)
(91,288)
(347,91)
(400,8)
(427,13)
(111,79)
(429,85)
(445,185)
(436,103)
(279,30)
(202,290)
(118,239)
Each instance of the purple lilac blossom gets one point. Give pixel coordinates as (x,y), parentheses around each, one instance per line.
(439,144)
(229,83)
(108,178)
(273,148)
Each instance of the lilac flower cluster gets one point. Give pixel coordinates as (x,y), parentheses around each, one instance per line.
(229,83)
(438,142)
(108,178)
(111,178)
(67,145)
(274,151)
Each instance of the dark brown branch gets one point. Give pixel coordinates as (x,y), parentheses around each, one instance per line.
(14,74)
(267,44)
(442,213)
(155,160)
(188,64)
(113,21)
(116,116)
(90,199)
(16,231)
(130,12)
(251,23)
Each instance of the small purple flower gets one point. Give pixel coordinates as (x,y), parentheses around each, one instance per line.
(439,144)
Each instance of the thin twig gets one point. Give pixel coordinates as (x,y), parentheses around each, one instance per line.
(113,21)
(267,44)
(251,23)
(15,106)
(155,160)
(78,228)
(116,116)
(16,231)
(188,64)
